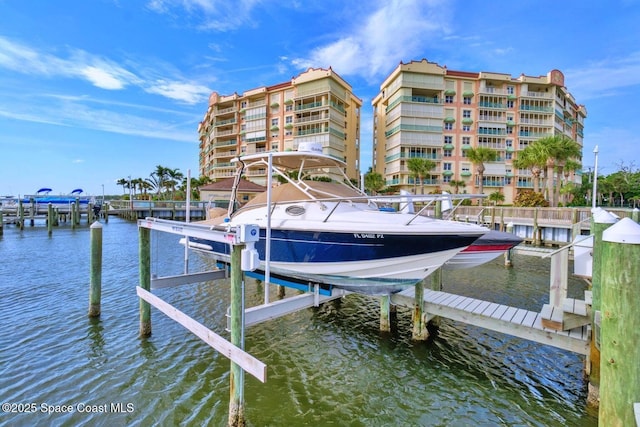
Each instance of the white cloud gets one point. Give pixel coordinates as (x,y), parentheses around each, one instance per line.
(216,15)
(605,77)
(101,78)
(390,34)
(189,93)
(100,72)
(79,113)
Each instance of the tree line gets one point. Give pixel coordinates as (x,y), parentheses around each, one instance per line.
(545,158)
(163,183)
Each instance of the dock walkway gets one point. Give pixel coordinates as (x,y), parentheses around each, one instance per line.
(497,317)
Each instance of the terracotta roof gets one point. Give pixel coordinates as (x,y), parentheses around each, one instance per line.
(227,184)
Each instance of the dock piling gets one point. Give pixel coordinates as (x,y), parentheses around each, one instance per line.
(144,253)
(236,398)
(95,292)
(508,262)
(601,220)
(419,332)
(50,219)
(620,352)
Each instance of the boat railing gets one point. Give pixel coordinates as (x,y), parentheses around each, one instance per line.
(372,201)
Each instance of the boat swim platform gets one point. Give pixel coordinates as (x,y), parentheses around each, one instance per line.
(500,318)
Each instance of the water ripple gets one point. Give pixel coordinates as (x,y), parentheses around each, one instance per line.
(326,366)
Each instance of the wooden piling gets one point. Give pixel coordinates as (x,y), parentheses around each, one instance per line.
(601,220)
(95,287)
(50,219)
(144,254)
(32,212)
(1,223)
(508,253)
(419,332)
(620,335)
(236,398)
(536,229)
(385,317)
(635,214)
(20,215)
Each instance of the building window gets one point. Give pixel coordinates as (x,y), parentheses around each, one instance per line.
(288,132)
(446,179)
(447,166)
(509,103)
(466,140)
(466,114)
(448,126)
(275,121)
(288,107)
(508,156)
(466,128)
(448,139)
(510,90)
(448,99)
(447,153)
(466,100)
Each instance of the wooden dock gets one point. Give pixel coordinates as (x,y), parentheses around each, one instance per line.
(498,317)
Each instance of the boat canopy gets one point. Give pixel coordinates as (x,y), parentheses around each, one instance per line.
(77,191)
(43,190)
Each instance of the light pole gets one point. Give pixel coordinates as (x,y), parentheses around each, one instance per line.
(594,197)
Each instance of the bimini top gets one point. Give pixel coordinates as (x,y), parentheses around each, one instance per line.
(292,160)
(44,190)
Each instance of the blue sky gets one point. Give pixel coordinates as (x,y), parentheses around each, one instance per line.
(92,91)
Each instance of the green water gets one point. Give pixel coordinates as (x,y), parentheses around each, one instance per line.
(328,366)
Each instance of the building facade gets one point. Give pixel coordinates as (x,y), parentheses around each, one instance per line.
(425,110)
(317,106)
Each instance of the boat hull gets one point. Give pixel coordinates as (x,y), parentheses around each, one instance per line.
(380,263)
(485,249)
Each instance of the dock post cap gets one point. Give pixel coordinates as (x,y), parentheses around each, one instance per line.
(602,216)
(625,231)
(96,224)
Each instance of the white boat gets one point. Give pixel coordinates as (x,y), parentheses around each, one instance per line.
(333,233)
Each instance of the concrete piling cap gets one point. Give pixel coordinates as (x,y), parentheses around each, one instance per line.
(602,216)
(624,231)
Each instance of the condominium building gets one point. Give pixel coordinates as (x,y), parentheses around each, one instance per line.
(317,106)
(425,110)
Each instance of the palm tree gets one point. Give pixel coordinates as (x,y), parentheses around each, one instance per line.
(496,197)
(419,168)
(534,158)
(124,182)
(158,178)
(373,181)
(559,149)
(478,156)
(456,184)
(174,177)
(569,166)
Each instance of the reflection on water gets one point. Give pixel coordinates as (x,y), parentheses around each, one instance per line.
(325,366)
